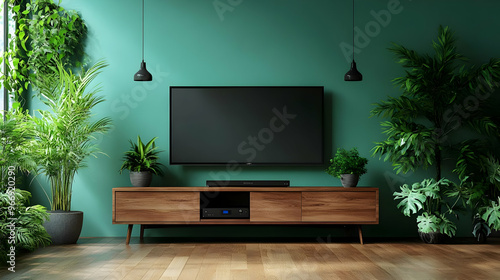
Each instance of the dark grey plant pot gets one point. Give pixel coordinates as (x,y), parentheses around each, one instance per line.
(64,227)
(433,237)
(141,179)
(349,180)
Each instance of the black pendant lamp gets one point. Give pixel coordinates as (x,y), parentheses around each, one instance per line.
(143,74)
(353,74)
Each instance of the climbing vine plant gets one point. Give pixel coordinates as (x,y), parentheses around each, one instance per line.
(45,33)
(55,34)
(15,77)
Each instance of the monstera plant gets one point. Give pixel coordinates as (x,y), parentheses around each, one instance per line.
(429,198)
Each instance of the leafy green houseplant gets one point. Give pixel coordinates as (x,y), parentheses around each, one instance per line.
(348,166)
(15,160)
(442,114)
(64,135)
(142,161)
(483,195)
(429,198)
(491,214)
(54,31)
(423,120)
(44,33)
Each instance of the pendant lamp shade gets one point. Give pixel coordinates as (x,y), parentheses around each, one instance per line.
(143,74)
(353,74)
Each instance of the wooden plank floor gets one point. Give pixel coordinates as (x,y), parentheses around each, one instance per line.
(110,258)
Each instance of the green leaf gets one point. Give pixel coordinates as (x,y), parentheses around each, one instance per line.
(446,226)
(481,227)
(492,215)
(428,223)
(412,200)
(49,56)
(16,105)
(430,188)
(15,62)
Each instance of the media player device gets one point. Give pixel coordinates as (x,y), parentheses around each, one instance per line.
(225,213)
(248,183)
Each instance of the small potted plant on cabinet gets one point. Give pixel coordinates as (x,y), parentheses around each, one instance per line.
(142,161)
(348,166)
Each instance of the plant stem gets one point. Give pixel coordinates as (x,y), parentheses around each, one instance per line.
(438,162)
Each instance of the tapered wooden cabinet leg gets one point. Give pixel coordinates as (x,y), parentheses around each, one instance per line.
(360,235)
(129,233)
(141,236)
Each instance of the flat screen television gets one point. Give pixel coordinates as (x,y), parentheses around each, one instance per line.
(246,125)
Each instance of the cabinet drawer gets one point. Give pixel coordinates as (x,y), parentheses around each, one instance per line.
(348,207)
(275,206)
(158,206)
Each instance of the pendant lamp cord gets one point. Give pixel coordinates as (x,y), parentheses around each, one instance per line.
(352,30)
(143,30)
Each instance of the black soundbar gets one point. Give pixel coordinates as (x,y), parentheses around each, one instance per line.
(248,183)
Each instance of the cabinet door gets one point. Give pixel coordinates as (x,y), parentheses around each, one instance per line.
(342,207)
(151,206)
(275,206)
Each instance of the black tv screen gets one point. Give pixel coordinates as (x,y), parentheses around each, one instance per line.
(246,125)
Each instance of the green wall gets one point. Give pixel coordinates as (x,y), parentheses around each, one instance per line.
(259,42)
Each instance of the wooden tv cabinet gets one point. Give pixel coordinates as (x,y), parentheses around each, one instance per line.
(268,206)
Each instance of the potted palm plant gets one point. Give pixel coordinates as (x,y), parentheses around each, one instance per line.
(348,166)
(142,161)
(63,141)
